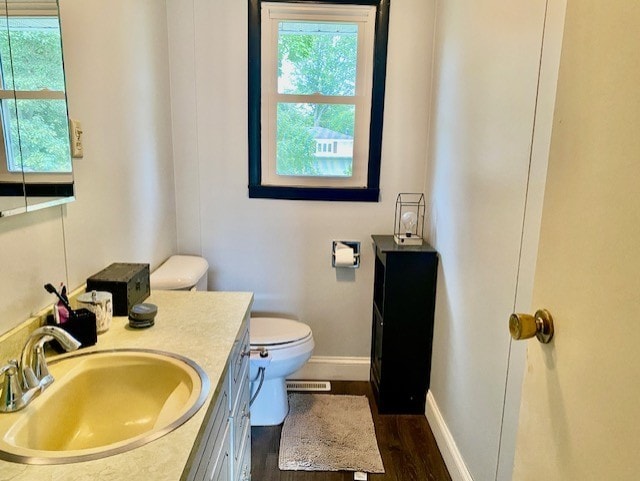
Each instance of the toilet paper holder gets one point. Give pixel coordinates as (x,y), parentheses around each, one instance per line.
(338,244)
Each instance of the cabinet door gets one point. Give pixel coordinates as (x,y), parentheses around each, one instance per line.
(222,470)
(379,281)
(243,468)
(239,363)
(409,330)
(241,422)
(214,439)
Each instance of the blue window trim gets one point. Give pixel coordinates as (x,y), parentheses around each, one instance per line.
(371,193)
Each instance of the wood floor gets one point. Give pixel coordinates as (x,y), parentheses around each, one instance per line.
(408,448)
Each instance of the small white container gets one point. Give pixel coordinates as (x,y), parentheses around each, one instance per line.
(101,304)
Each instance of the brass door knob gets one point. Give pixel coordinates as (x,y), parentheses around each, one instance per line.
(525,326)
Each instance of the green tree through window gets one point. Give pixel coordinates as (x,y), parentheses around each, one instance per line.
(37,140)
(314,58)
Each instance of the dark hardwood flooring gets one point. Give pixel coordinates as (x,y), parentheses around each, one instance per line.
(407,446)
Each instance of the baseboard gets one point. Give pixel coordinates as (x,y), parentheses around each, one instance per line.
(448,447)
(334,368)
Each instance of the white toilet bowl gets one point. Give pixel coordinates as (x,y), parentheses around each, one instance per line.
(289,345)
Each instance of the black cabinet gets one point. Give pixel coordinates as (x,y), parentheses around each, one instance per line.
(402,333)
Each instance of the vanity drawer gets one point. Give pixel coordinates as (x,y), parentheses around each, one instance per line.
(215,436)
(238,365)
(241,421)
(243,463)
(220,468)
(240,387)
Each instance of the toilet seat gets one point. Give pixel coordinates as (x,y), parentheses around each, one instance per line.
(274,332)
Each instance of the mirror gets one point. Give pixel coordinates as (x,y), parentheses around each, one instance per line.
(12,196)
(35,161)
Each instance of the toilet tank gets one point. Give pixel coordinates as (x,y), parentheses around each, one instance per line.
(182,273)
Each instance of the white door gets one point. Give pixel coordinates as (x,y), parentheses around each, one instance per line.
(580,412)
(488,172)
(551,46)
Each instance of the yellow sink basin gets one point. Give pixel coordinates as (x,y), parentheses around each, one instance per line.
(103,403)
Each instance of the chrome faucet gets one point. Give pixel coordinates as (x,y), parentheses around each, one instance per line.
(24,380)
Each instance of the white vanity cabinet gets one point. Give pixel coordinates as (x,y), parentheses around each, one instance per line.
(224,451)
(211,329)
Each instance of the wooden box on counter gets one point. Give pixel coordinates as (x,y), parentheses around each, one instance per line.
(129,284)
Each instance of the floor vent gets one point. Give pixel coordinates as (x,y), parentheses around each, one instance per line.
(308,386)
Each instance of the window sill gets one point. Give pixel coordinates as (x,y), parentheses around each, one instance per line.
(315,193)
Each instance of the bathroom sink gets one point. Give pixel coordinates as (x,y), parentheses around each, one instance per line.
(104,403)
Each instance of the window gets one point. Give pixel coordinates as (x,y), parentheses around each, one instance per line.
(316,97)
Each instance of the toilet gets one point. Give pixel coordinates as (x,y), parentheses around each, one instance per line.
(279,347)
(181,273)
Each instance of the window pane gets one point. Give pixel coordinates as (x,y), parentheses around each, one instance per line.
(305,131)
(36,54)
(316,57)
(44,134)
(10,130)
(5,58)
(33,63)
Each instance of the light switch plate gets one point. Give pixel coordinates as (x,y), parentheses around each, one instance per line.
(359,476)
(75,132)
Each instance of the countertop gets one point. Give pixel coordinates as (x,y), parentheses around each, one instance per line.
(199,325)
(386,244)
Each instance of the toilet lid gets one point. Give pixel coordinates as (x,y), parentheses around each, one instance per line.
(269,331)
(179,272)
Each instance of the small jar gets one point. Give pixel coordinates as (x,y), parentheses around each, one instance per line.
(101,304)
(143,315)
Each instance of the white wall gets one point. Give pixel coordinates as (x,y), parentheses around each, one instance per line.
(487,55)
(116,66)
(281,249)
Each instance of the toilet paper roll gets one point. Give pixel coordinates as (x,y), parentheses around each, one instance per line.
(344,257)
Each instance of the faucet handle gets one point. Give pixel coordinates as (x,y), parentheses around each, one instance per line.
(10,369)
(40,368)
(12,395)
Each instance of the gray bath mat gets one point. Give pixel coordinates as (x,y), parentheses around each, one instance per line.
(325,432)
